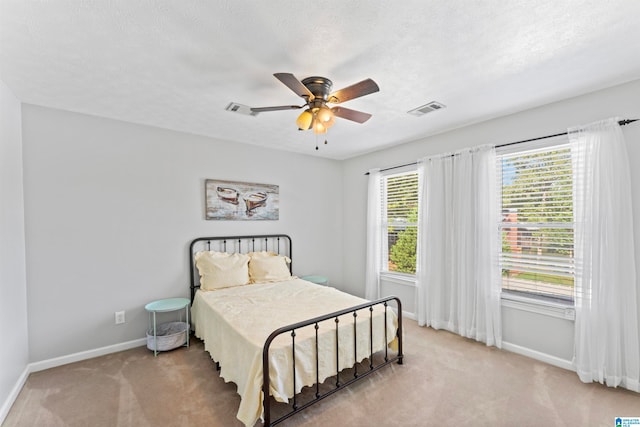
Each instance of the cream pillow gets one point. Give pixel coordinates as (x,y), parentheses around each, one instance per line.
(261,254)
(269,269)
(221,270)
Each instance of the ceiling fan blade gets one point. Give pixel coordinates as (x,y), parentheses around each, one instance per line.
(279,108)
(349,114)
(357,90)
(294,84)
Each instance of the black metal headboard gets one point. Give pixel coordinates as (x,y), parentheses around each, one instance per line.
(278,243)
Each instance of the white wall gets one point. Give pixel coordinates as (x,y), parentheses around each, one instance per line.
(111,207)
(14,352)
(551,336)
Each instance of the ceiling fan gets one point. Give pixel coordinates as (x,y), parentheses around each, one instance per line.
(316,92)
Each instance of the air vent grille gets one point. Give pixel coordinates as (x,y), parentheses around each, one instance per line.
(427,108)
(234,107)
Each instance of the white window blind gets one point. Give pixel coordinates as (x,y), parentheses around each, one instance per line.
(400,222)
(537,221)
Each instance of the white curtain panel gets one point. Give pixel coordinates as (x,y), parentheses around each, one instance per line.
(374,228)
(606,328)
(458,274)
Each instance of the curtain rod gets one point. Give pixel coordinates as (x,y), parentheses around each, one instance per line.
(621,123)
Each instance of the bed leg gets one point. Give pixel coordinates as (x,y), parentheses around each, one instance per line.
(217,366)
(399,332)
(399,336)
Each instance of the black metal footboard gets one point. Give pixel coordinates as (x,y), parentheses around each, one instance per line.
(314,323)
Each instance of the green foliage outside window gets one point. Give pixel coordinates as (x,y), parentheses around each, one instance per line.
(402,255)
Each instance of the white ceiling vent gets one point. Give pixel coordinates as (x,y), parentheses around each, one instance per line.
(239,108)
(427,108)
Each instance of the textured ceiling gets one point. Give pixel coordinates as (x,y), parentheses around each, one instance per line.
(178,64)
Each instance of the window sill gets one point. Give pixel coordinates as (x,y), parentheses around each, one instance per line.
(399,278)
(531,304)
(535,305)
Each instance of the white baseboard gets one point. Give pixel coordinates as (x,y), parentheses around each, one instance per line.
(543,357)
(6,406)
(406,314)
(84,355)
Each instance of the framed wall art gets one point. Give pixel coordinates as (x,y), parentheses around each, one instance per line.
(234,200)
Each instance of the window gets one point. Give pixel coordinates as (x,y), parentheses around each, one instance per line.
(399,222)
(537,221)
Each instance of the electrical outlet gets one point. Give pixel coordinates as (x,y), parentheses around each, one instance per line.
(119,317)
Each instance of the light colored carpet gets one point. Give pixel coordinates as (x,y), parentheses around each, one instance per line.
(446,380)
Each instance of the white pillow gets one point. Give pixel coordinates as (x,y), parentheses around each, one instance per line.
(269,269)
(222,270)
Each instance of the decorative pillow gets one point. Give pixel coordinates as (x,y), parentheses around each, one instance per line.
(222,270)
(269,269)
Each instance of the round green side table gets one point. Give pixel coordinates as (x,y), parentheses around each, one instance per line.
(318,280)
(164,306)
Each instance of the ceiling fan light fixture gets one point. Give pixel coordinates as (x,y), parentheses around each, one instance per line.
(319,128)
(326,116)
(316,93)
(304,120)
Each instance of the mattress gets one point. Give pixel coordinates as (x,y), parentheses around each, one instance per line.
(234,324)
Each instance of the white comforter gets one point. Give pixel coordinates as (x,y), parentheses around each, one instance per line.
(235,322)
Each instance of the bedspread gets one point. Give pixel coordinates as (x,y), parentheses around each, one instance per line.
(234,324)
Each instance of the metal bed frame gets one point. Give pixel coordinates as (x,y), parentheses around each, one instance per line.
(278,243)
(281,244)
